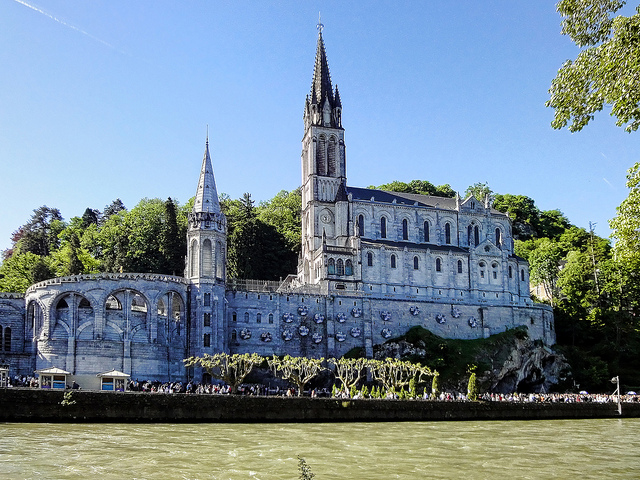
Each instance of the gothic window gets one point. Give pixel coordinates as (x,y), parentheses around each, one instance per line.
(383,227)
(7,339)
(405,229)
(207,299)
(331,153)
(476,235)
(62,304)
(207,319)
(426,231)
(339,267)
(194,258)
(320,155)
(219,260)
(495,275)
(510,272)
(447,233)
(271,318)
(234,317)
(206,258)
(258,318)
(469,233)
(348,267)
(361,225)
(393,261)
(246,317)
(332,266)
(234,335)
(439,263)
(370,259)
(522,275)
(498,237)
(416,263)
(207,340)
(459,266)
(84,303)
(482,265)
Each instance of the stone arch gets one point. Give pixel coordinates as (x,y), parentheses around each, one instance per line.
(194,255)
(321,158)
(331,156)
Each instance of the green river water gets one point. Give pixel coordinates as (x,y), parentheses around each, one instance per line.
(608,448)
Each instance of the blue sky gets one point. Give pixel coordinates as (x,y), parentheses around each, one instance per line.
(105,99)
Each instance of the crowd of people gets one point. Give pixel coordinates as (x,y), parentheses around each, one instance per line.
(191,387)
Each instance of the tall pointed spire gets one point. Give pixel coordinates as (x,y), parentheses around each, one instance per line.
(206,196)
(321,88)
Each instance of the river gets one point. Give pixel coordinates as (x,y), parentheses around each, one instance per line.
(608,448)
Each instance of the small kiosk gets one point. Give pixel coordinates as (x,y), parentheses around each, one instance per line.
(52,377)
(113,381)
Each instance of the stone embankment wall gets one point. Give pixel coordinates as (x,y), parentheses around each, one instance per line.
(30,405)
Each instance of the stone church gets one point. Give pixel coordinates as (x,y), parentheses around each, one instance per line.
(373,264)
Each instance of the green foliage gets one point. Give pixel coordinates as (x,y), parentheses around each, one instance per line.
(605,72)
(413,392)
(544,263)
(626,224)
(21,270)
(435,386)
(480,191)
(67,399)
(472,387)
(419,187)
(365,392)
(298,370)
(232,369)
(353,391)
(349,370)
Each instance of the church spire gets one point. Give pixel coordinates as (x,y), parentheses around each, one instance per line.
(321,88)
(206,199)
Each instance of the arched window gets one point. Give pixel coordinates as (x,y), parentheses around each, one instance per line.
(459,266)
(370,259)
(469,234)
(498,237)
(447,233)
(84,303)
(439,263)
(339,267)
(331,266)
(7,339)
(510,272)
(207,340)
(393,261)
(207,319)
(522,275)
(207,258)
(321,163)
(416,263)
(234,317)
(361,225)
(207,299)
(138,304)
(405,229)
(482,265)
(234,335)
(331,153)
(383,227)
(62,303)
(113,303)
(246,317)
(476,235)
(271,318)
(426,231)
(219,260)
(194,258)
(348,267)
(258,318)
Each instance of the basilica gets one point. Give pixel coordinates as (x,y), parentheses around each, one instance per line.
(373,264)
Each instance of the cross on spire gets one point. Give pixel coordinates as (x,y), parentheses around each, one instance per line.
(319,26)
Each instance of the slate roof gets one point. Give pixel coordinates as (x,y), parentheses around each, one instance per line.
(419,246)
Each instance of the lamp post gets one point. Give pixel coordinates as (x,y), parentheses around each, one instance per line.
(616,380)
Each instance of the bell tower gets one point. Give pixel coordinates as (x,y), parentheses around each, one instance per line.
(205,270)
(324,219)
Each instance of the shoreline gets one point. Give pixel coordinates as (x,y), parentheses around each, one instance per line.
(36,405)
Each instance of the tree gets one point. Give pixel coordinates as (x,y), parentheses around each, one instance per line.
(349,370)
(522,211)
(480,191)
(544,269)
(113,208)
(40,234)
(21,270)
(626,224)
(298,370)
(605,72)
(419,187)
(90,217)
(232,369)
(394,374)
(173,245)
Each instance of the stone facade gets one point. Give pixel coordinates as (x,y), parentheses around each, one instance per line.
(373,264)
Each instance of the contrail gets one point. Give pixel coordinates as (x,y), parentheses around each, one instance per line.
(21,2)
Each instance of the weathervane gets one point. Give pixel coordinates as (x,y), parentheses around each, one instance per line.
(320,26)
